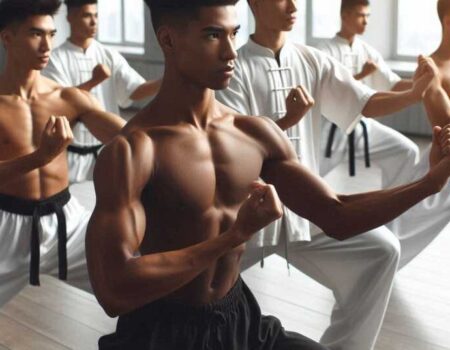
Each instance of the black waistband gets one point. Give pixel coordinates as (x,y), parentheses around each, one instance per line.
(151,310)
(36,209)
(27,207)
(84,150)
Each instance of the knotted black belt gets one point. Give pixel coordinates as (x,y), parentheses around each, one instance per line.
(37,209)
(85,150)
(351,147)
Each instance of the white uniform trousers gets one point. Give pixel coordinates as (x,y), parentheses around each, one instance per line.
(360,271)
(15,231)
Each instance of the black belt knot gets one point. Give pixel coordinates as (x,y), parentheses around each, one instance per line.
(351,146)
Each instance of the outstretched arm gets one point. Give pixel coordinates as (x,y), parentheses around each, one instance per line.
(123,282)
(147,89)
(55,138)
(384,103)
(103,125)
(342,216)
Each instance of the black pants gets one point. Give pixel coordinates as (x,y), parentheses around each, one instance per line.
(233,323)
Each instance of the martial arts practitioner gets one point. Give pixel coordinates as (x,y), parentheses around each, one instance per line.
(84,62)
(389,150)
(420,225)
(42,228)
(173,213)
(360,271)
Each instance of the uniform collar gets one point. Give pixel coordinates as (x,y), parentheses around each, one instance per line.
(78,49)
(257,49)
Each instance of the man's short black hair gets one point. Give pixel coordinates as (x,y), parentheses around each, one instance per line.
(16,11)
(163,11)
(349,4)
(78,3)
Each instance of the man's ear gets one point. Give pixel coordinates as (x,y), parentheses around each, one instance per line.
(6,37)
(252,4)
(166,37)
(446,22)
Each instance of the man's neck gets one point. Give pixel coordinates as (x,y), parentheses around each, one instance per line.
(81,42)
(443,51)
(195,105)
(273,40)
(20,81)
(347,35)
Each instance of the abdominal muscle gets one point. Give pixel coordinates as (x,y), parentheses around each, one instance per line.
(188,229)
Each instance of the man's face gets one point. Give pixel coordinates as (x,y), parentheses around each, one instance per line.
(276,15)
(31,41)
(356,19)
(83,21)
(204,49)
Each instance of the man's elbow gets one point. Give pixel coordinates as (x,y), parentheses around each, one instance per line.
(112,302)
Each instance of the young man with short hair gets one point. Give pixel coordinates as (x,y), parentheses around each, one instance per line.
(42,228)
(84,62)
(360,271)
(173,209)
(392,152)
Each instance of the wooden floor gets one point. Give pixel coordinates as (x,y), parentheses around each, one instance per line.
(57,316)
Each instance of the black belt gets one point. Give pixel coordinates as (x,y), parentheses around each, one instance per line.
(37,209)
(85,150)
(351,147)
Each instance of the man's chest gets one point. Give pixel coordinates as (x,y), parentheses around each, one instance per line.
(206,172)
(22,122)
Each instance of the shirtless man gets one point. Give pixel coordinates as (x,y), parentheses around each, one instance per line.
(175,187)
(41,226)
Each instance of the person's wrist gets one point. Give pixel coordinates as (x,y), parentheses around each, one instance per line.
(40,158)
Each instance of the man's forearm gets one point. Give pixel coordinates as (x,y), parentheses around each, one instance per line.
(339,216)
(11,169)
(360,213)
(137,281)
(437,105)
(403,85)
(87,85)
(384,103)
(147,89)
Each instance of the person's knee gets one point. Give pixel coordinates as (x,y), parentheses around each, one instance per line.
(389,250)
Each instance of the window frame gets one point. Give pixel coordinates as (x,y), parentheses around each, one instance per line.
(127,48)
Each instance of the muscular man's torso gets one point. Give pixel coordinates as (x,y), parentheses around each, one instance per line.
(199,180)
(21,125)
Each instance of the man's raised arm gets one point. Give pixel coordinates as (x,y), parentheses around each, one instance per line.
(123,282)
(384,103)
(342,216)
(103,125)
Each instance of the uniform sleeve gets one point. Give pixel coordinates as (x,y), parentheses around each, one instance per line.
(126,80)
(236,96)
(384,78)
(55,71)
(342,98)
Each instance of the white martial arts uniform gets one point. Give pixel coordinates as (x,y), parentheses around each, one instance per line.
(392,152)
(360,270)
(70,66)
(15,232)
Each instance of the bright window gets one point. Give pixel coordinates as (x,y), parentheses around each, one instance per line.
(325,18)
(122,25)
(419,29)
